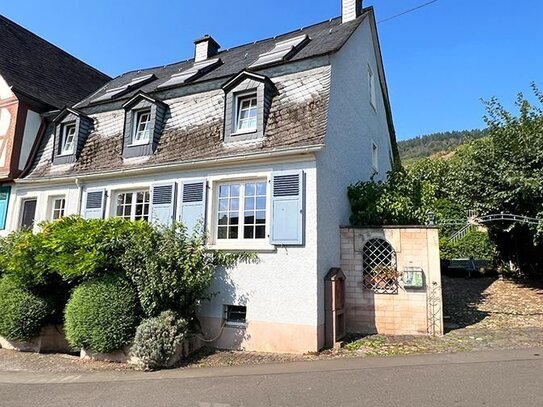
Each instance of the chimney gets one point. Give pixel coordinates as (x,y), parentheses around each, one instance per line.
(350,9)
(206,47)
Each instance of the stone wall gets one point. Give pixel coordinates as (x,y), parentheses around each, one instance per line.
(408,311)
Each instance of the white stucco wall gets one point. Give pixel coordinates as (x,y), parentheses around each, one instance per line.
(5,122)
(353,124)
(32,126)
(281,288)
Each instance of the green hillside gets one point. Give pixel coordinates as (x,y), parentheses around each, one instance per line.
(435,144)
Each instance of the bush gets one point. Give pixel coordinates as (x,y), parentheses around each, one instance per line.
(475,245)
(172,270)
(22,313)
(158,339)
(101,315)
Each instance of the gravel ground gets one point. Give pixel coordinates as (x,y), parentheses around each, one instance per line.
(480,314)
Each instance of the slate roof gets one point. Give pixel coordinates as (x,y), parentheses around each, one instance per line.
(42,71)
(194,130)
(326,37)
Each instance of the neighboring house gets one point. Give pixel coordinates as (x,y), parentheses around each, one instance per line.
(35,77)
(260,141)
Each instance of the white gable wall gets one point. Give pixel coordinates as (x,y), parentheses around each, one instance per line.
(353,124)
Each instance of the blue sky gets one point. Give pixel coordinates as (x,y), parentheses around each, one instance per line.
(440,60)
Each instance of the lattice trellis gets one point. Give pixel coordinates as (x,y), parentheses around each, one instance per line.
(379,267)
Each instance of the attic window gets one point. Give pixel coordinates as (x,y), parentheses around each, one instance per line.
(142,129)
(197,70)
(133,84)
(68,139)
(282,51)
(247,109)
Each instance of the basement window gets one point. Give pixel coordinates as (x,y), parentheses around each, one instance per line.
(235,315)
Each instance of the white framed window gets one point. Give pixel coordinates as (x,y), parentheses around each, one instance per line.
(246,113)
(242,211)
(375,156)
(371,86)
(142,128)
(68,139)
(58,206)
(132,205)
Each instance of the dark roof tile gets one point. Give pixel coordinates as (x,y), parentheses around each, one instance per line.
(42,71)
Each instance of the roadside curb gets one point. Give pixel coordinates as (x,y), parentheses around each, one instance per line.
(343,364)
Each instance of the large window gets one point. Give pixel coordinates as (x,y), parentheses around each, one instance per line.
(58,205)
(241,211)
(68,139)
(246,113)
(142,129)
(28,213)
(133,205)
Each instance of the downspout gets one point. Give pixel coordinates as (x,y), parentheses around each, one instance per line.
(80,195)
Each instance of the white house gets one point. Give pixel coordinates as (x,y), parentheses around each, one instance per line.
(261,141)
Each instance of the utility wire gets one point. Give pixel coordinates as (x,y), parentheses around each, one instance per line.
(407,11)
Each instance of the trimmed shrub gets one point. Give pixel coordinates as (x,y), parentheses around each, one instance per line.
(158,339)
(22,313)
(101,315)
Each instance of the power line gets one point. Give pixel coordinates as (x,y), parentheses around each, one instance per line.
(407,11)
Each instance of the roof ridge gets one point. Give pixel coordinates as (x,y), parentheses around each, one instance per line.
(231,48)
(27,31)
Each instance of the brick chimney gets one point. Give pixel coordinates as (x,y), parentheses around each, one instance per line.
(206,47)
(350,9)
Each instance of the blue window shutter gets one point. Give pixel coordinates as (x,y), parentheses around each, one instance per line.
(193,203)
(162,204)
(94,204)
(287,208)
(4,204)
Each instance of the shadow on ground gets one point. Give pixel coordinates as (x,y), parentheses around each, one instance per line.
(462,299)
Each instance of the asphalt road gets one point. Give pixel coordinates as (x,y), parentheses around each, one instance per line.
(498,378)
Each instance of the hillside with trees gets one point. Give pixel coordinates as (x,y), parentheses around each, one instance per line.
(435,144)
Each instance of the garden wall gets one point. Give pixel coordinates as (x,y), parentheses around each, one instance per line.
(410,302)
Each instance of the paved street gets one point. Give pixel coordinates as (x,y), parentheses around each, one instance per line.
(497,378)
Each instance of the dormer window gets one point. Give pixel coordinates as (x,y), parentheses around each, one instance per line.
(144,121)
(142,129)
(248,99)
(246,113)
(72,128)
(68,139)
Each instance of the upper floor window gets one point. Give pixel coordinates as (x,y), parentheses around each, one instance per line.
(241,210)
(142,129)
(246,113)
(133,205)
(371,85)
(248,100)
(144,122)
(58,206)
(72,128)
(68,139)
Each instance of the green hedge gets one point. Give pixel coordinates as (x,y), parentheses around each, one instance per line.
(102,315)
(22,313)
